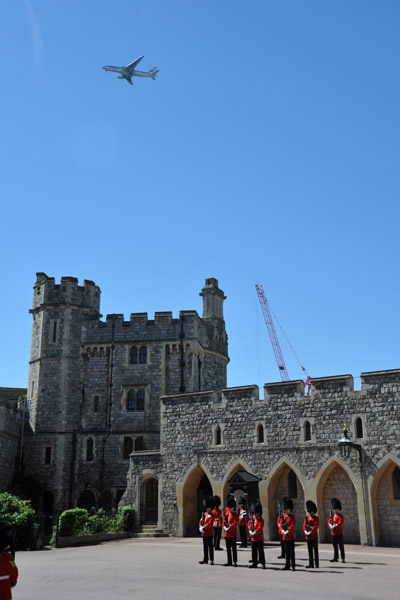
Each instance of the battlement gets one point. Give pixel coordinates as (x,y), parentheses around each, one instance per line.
(68,292)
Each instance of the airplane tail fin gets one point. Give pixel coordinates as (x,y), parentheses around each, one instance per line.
(153,73)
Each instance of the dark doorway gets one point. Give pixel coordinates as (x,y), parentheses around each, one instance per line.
(204,489)
(87,500)
(149,502)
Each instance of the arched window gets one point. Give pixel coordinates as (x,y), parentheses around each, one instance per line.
(89,449)
(135,400)
(218,436)
(292,484)
(260,434)
(307,431)
(128,446)
(396,483)
(133,355)
(139,444)
(359,428)
(142,355)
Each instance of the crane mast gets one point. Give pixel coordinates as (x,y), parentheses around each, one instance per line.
(272,333)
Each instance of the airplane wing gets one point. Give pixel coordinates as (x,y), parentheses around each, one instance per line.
(134,64)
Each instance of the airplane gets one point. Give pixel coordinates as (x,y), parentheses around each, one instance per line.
(129,71)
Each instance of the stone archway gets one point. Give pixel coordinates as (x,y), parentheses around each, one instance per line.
(336,483)
(196,487)
(285,482)
(386,505)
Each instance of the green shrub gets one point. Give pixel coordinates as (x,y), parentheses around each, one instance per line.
(20,514)
(126,519)
(100,522)
(72,521)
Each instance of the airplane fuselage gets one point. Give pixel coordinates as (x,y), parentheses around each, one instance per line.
(129,72)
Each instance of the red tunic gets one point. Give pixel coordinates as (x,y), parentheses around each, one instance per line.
(217,512)
(312,521)
(279,523)
(288,523)
(232,521)
(258,528)
(337,520)
(208,525)
(8,575)
(242,517)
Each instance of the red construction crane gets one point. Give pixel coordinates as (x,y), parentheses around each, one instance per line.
(275,342)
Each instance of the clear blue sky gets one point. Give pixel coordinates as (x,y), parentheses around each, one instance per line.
(267,151)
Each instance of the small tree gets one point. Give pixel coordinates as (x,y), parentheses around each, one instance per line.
(19,512)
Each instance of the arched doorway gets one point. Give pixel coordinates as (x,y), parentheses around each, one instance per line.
(196,487)
(285,483)
(386,502)
(336,483)
(149,501)
(87,500)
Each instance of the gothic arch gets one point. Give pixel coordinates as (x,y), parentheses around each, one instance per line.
(237,465)
(195,477)
(336,479)
(385,505)
(277,486)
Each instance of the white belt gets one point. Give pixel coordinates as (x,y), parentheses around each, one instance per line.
(4,577)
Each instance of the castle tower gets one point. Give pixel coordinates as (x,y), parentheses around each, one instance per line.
(95,386)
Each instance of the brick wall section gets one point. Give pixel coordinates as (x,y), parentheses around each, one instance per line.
(388,513)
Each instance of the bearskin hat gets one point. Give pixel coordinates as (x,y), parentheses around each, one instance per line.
(242,501)
(230,501)
(256,507)
(287,503)
(311,506)
(336,504)
(217,501)
(208,502)
(6,534)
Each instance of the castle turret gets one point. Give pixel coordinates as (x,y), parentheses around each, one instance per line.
(213,299)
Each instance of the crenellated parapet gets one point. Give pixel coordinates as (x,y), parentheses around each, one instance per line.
(67,293)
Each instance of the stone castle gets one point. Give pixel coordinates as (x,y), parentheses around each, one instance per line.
(138,412)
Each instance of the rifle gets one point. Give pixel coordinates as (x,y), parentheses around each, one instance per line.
(226,519)
(202,523)
(251,520)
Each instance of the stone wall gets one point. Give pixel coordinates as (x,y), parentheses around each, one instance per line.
(10,432)
(188,449)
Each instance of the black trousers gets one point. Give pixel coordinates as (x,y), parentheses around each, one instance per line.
(231,549)
(217,537)
(289,553)
(257,553)
(208,548)
(337,541)
(313,557)
(243,535)
(282,546)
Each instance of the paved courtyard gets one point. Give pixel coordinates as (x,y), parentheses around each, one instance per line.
(168,568)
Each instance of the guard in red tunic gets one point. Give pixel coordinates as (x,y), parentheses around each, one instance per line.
(310,528)
(279,524)
(335,524)
(8,568)
(287,528)
(217,512)
(230,531)
(206,527)
(243,522)
(255,526)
